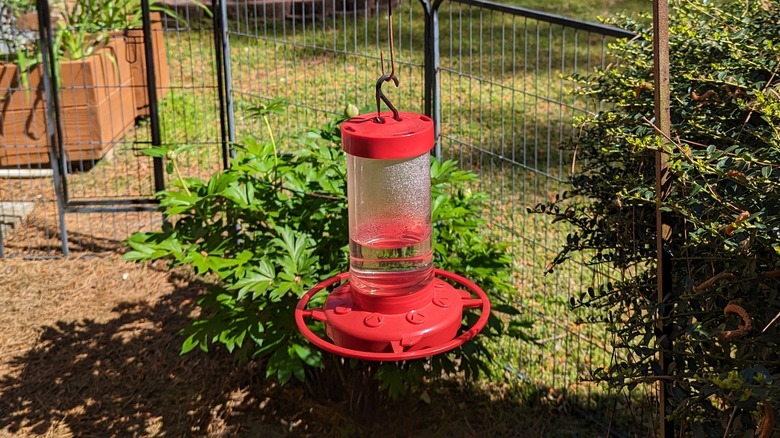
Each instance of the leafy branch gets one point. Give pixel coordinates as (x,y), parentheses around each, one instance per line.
(724,209)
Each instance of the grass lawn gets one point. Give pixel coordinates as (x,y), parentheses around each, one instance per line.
(587,10)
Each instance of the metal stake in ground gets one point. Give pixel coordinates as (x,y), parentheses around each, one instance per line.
(663,230)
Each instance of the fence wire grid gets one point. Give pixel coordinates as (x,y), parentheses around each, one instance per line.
(493,77)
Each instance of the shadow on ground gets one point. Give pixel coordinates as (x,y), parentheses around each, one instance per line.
(123,376)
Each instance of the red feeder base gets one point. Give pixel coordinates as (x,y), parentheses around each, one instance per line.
(394,328)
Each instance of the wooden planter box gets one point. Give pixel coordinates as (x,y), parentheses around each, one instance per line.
(97,106)
(136,57)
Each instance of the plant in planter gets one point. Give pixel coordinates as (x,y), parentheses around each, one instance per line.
(96,102)
(101,71)
(19,45)
(17,37)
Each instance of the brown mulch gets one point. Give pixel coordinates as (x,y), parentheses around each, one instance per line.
(89,347)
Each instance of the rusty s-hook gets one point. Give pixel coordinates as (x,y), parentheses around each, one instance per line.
(380,96)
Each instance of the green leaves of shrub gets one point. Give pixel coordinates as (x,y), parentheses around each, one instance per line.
(274,224)
(724,208)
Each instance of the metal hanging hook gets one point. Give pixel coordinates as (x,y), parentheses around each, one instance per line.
(380,96)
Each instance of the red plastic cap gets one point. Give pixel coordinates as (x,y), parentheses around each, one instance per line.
(363,136)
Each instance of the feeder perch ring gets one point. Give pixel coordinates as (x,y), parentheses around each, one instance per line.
(469,294)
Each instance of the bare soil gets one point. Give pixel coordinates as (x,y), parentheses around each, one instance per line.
(90,347)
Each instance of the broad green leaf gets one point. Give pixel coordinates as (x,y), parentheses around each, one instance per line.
(156,152)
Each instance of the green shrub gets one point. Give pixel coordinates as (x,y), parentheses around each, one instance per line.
(724,209)
(275,224)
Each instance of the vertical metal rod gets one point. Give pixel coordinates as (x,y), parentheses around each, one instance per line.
(216,9)
(53,122)
(224,81)
(228,75)
(432,95)
(390,39)
(662,186)
(151,89)
(224,91)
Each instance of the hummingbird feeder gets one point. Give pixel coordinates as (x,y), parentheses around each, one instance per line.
(393,304)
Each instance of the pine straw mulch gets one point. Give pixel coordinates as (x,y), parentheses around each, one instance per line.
(90,347)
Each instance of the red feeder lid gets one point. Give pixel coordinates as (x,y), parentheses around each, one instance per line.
(410,137)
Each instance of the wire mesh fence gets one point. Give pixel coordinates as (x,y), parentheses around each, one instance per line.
(505,115)
(88,186)
(320,56)
(494,77)
(507,109)
(504,108)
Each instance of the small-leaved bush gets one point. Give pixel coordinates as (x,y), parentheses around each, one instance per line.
(274,224)
(724,210)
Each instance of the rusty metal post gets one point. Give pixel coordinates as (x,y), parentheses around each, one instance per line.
(662,186)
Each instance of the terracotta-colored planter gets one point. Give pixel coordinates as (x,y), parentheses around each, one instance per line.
(136,57)
(22,117)
(97,106)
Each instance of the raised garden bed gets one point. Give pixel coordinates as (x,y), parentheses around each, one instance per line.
(97,106)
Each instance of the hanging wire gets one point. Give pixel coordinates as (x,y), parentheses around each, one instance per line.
(387,77)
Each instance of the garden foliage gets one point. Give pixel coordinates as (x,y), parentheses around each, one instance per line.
(724,208)
(275,224)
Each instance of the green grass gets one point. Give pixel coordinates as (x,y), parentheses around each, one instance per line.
(588,10)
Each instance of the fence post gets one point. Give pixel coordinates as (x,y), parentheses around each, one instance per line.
(151,90)
(224,80)
(432,96)
(662,187)
(53,123)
